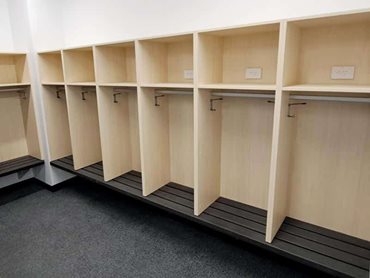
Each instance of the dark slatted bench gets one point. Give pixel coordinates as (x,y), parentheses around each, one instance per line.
(323,249)
(21,163)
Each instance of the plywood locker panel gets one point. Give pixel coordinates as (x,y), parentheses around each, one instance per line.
(19,136)
(237,137)
(329,177)
(57,125)
(84,125)
(119,131)
(13,135)
(167,139)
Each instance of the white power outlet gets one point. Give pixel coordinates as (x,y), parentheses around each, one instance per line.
(188,74)
(344,73)
(253,73)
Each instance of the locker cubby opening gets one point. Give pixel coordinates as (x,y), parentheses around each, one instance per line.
(167,139)
(119,130)
(326,162)
(19,135)
(167,60)
(315,46)
(57,125)
(116,64)
(51,68)
(239,58)
(13,70)
(79,66)
(84,125)
(235,141)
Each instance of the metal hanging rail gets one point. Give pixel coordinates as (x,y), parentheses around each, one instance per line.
(329,98)
(174,92)
(246,95)
(296,97)
(123,90)
(13,90)
(159,93)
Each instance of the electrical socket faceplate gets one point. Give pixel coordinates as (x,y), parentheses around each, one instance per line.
(343,73)
(188,74)
(253,73)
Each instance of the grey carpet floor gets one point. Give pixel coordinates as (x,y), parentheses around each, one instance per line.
(83,230)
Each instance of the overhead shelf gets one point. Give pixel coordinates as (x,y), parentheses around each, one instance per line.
(116,63)
(247,87)
(168,85)
(79,66)
(118,84)
(53,83)
(239,56)
(14,70)
(166,60)
(83,84)
(329,51)
(328,88)
(51,67)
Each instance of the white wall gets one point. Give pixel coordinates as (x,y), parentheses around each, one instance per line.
(67,23)
(95,21)
(19,22)
(46,23)
(6,38)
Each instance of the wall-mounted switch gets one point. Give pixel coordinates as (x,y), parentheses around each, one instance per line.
(188,74)
(253,73)
(344,73)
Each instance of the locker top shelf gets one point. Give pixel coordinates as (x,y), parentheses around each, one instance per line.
(247,30)
(252,87)
(342,19)
(168,85)
(328,88)
(118,84)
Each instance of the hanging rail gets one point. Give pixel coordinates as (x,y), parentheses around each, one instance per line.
(174,92)
(21,91)
(13,90)
(162,93)
(329,98)
(296,97)
(246,95)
